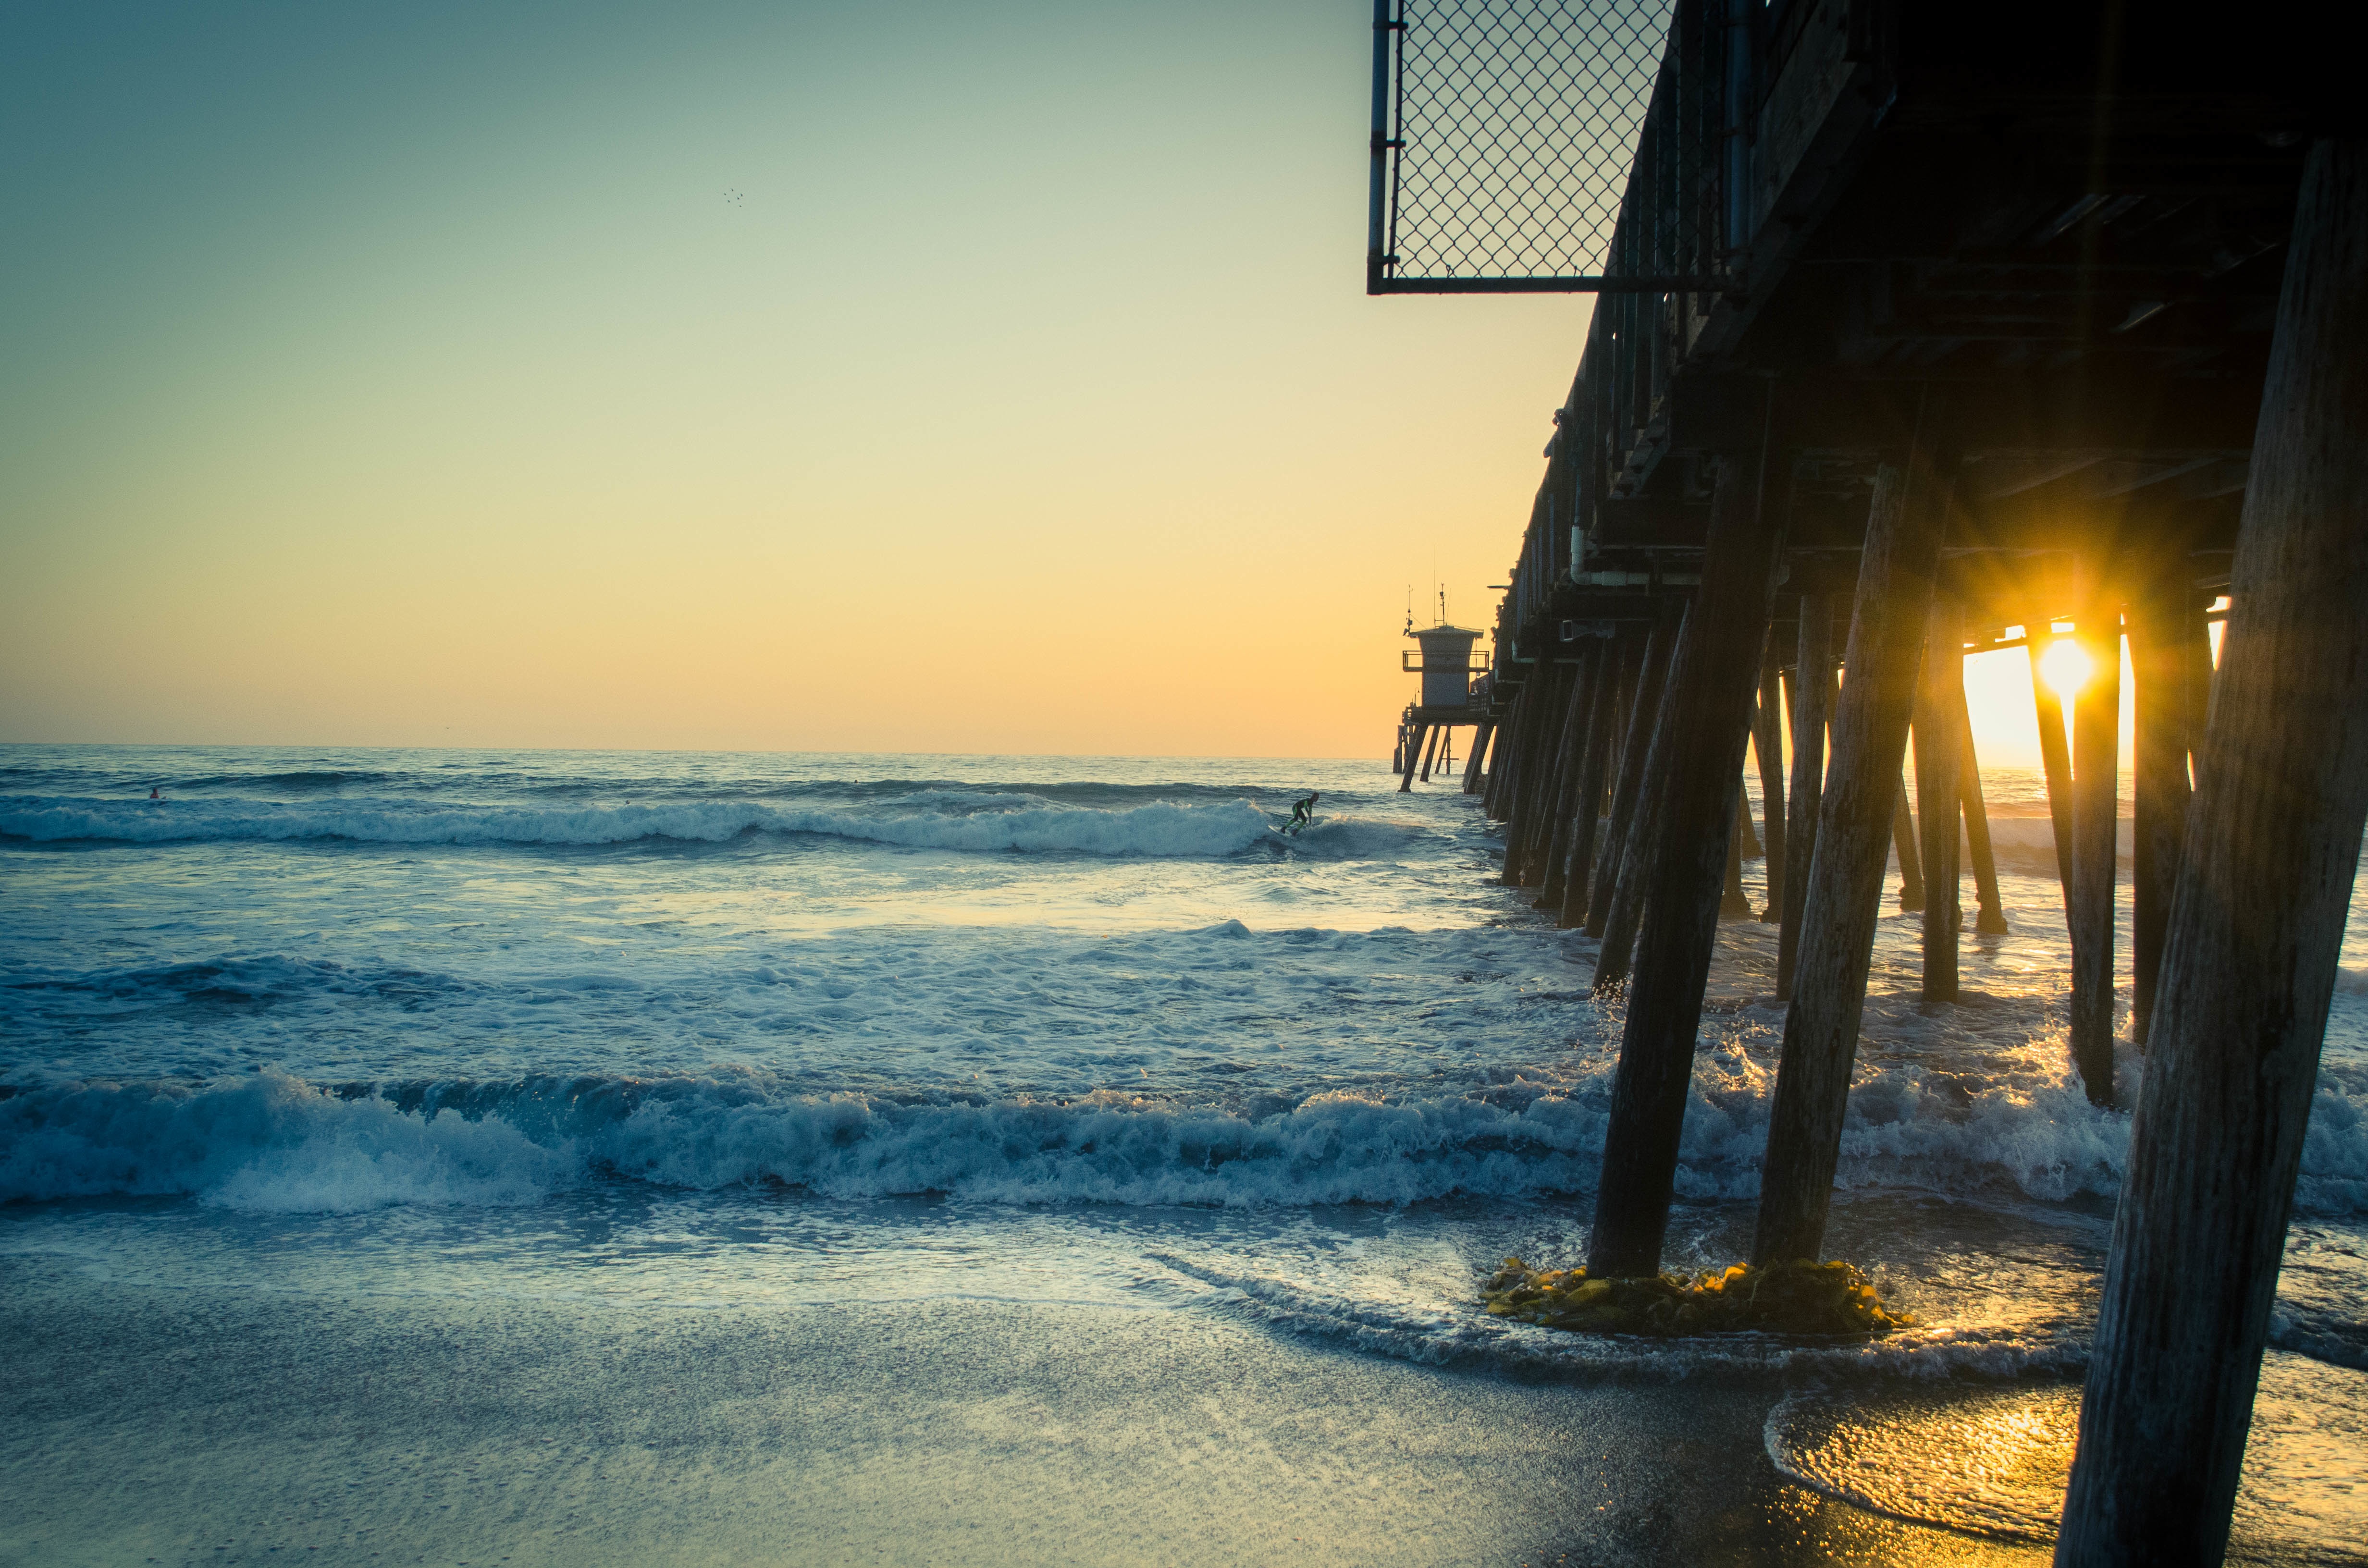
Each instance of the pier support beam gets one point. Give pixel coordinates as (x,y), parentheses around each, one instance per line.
(1635,752)
(2096,759)
(2161,611)
(1542,730)
(1768,748)
(1813,686)
(1709,717)
(1845,896)
(1430,752)
(1902,840)
(1618,677)
(1991,919)
(1412,755)
(2216,1139)
(1481,735)
(2055,758)
(1571,760)
(1633,888)
(1939,689)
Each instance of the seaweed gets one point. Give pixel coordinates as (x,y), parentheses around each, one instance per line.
(1797,1297)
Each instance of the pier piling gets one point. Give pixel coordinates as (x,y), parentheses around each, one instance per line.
(2254,934)
(1896,569)
(2096,758)
(1708,720)
(1938,795)
(1813,690)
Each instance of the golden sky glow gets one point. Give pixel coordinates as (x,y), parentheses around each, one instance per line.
(811,377)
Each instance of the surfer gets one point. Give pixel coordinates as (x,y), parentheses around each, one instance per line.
(157,795)
(1302,811)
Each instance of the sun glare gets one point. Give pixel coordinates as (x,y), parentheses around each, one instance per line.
(2065,667)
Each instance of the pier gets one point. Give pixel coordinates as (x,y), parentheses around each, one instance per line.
(1922,332)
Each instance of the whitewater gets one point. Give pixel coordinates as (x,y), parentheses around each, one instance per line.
(744,1033)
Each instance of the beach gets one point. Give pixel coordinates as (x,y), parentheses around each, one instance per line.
(573,1156)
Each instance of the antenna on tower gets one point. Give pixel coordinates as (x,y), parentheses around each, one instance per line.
(1409,608)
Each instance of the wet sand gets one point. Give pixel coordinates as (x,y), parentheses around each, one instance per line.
(223,1426)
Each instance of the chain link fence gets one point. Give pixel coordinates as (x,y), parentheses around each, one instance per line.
(1506,133)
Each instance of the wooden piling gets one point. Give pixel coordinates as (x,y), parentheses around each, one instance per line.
(1854,819)
(1644,712)
(1768,748)
(1812,702)
(1481,735)
(1531,800)
(2160,611)
(1990,920)
(2096,757)
(1732,903)
(1537,802)
(1568,765)
(1903,843)
(1431,750)
(1501,765)
(1620,664)
(1412,748)
(2256,930)
(1632,886)
(1704,734)
(1936,795)
(2056,759)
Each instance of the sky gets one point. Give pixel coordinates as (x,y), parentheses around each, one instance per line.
(920,377)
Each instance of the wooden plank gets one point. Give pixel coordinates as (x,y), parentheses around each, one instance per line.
(1862,788)
(1709,720)
(2256,934)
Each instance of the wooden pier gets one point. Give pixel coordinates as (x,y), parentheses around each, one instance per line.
(1926,331)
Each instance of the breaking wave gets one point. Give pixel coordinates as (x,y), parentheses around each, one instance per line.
(994,822)
(271,1142)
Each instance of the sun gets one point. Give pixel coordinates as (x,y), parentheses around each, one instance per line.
(2067,667)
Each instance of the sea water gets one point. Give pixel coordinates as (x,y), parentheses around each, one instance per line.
(681,1032)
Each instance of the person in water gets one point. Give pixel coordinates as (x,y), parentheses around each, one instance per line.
(155,794)
(1302,811)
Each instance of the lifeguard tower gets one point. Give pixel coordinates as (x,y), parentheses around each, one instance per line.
(1445,661)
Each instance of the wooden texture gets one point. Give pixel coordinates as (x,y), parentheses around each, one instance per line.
(2096,762)
(2255,934)
(1812,703)
(1854,820)
(1936,796)
(1709,720)
(1643,712)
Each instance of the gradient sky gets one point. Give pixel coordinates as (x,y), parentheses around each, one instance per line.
(913,377)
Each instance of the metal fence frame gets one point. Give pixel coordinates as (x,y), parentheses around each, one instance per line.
(1674,229)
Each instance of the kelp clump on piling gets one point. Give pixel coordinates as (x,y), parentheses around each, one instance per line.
(1799,1297)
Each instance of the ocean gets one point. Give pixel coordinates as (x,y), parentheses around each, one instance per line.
(571,1156)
